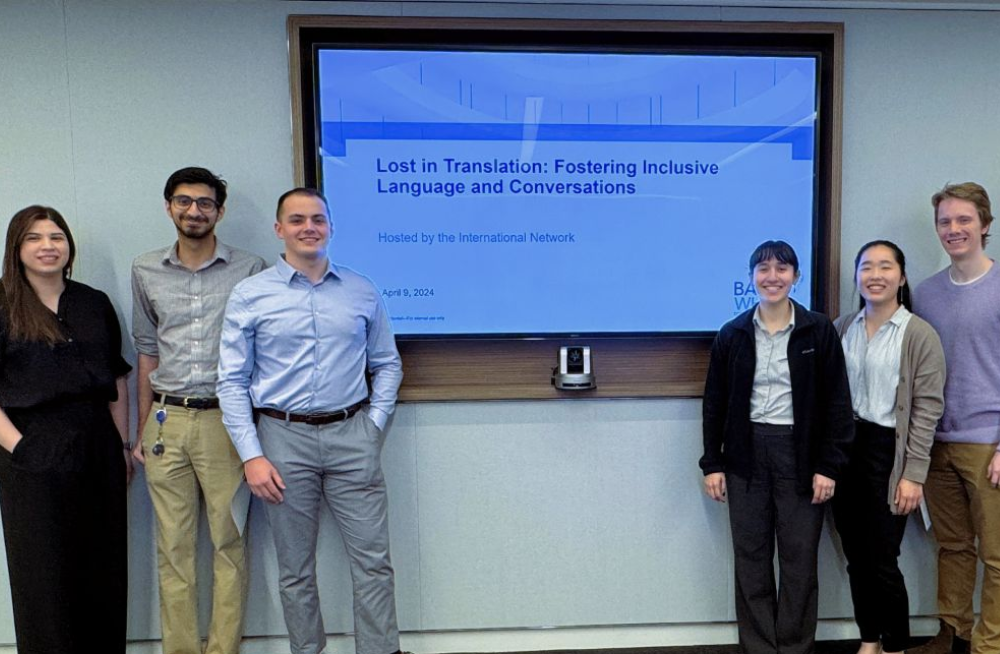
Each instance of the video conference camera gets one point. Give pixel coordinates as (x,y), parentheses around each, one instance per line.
(574,372)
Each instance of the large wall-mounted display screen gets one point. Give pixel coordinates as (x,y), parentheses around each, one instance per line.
(519,191)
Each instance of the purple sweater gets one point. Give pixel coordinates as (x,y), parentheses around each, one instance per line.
(967,318)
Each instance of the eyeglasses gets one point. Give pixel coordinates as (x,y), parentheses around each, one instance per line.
(185,202)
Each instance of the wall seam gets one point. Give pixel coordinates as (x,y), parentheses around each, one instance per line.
(69,105)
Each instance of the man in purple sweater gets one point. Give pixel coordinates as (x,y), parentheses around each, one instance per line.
(962,302)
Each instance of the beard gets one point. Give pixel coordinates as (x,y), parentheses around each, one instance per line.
(196,229)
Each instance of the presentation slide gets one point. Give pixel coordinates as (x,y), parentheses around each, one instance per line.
(515,193)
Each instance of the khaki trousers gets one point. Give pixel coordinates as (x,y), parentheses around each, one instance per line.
(964,506)
(198,459)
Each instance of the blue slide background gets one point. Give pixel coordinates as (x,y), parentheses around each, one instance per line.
(668,255)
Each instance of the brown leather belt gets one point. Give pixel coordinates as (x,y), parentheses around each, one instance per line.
(311,418)
(199,403)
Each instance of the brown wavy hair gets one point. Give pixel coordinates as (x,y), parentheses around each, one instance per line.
(27,318)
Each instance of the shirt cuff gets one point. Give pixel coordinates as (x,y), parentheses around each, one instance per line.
(149,350)
(378,416)
(248,445)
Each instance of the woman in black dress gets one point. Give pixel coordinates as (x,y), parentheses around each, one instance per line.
(63,469)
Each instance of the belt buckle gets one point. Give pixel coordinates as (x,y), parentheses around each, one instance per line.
(186,403)
(346,414)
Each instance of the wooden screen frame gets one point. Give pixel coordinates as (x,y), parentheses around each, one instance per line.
(657,366)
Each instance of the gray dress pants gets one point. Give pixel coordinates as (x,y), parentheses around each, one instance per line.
(339,463)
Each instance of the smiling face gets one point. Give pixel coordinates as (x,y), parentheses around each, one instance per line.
(774,280)
(191,221)
(45,250)
(304,225)
(960,229)
(879,276)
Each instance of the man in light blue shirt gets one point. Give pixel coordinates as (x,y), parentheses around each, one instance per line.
(297,340)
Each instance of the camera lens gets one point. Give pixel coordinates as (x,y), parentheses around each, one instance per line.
(574,360)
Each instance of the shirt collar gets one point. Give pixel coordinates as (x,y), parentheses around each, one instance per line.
(222,253)
(758,323)
(288,273)
(900,315)
(897,318)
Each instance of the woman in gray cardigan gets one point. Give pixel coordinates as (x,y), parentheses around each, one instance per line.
(895,365)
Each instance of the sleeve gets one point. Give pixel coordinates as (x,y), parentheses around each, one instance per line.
(715,406)
(384,363)
(842,323)
(236,364)
(144,318)
(836,420)
(926,400)
(258,266)
(119,366)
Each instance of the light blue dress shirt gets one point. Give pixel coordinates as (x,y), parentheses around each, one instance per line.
(299,347)
(873,366)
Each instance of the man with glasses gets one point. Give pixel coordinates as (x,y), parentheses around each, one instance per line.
(179,295)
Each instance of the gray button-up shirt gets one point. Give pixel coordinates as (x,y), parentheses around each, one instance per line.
(771,399)
(177,314)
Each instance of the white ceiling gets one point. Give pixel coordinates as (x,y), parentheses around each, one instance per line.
(925,5)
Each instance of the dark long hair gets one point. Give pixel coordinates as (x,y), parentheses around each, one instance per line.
(903,295)
(27,318)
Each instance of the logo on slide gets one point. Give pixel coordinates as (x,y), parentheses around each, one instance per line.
(744,296)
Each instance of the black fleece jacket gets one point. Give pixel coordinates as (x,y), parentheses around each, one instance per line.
(821,398)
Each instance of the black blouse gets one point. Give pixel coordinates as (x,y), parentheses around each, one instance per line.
(83,367)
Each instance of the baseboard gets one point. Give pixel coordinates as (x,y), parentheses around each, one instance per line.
(561,638)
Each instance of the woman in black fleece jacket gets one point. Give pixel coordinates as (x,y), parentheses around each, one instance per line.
(778,426)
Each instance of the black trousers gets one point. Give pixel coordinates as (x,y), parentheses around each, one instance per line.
(770,505)
(62,497)
(871,536)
